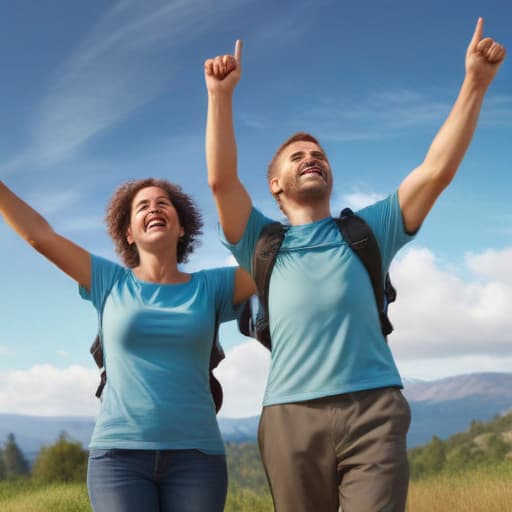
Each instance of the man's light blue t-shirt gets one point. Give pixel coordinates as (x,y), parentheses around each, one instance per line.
(324,324)
(157,340)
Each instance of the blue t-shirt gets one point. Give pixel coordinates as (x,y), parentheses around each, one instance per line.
(324,324)
(157,340)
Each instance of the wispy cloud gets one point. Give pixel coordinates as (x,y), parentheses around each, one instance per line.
(49,202)
(388,114)
(378,116)
(111,73)
(497,111)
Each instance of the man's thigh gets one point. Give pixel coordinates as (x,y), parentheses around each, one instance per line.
(298,454)
(372,454)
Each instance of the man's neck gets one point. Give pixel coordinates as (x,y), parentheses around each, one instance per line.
(306,214)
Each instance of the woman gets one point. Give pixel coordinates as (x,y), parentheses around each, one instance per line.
(156,445)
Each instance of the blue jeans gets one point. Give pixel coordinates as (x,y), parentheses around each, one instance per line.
(156,481)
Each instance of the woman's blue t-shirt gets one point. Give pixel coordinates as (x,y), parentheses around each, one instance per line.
(157,340)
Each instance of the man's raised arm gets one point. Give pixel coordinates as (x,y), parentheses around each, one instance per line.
(233,202)
(423,185)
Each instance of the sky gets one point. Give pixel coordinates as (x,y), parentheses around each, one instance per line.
(95,93)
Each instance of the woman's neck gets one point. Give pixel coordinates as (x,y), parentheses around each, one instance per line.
(156,270)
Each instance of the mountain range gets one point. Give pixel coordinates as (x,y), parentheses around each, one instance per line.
(442,408)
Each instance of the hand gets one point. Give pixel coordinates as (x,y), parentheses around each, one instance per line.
(483,57)
(222,73)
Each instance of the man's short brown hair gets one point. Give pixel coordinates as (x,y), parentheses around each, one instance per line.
(299,136)
(119,212)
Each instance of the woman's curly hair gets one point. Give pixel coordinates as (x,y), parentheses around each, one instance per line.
(119,212)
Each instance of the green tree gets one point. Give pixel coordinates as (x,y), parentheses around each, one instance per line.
(434,455)
(497,448)
(14,461)
(3,472)
(65,461)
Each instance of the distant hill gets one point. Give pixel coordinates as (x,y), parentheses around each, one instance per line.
(446,406)
(442,408)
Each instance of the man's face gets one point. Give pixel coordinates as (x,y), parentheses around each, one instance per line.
(302,171)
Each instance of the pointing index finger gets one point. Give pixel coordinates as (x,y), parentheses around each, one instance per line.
(479,30)
(238,51)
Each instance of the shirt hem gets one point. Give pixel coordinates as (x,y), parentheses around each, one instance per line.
(137,445)
(302,397)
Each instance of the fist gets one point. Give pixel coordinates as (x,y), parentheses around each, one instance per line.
(223,72)
(484,56)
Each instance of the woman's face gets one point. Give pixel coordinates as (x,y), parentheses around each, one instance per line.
(152,218)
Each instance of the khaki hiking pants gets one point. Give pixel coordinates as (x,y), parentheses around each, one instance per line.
(347,450)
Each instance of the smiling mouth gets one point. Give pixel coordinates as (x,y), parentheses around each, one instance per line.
(312,171)
(155,223)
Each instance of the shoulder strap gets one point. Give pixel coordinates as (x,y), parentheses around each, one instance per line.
(254,320)
(264,257)
(359,236)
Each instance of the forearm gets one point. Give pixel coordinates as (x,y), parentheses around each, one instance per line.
(221,150)
(29,224)
(452,141)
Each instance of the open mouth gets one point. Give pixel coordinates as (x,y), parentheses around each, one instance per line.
(155,222)
(312,171)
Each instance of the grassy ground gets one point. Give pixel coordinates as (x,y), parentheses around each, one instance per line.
(481,490)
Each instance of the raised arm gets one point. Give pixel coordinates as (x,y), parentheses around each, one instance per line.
(32,227)
(423,185)
(244,286)
(233,202)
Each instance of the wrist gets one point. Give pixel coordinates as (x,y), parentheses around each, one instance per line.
(220,94)
(475,84)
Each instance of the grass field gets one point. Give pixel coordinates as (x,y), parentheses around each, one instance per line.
(480,490)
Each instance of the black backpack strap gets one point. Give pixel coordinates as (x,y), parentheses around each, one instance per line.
(253,320)
(359,236)
(216,356)
(97,353)
(264,257)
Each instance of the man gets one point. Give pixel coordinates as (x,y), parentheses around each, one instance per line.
(334,423)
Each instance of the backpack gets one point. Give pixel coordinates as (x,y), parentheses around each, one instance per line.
(355,231)
(216,356)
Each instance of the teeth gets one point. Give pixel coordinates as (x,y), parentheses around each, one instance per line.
(311,171)
(155,223)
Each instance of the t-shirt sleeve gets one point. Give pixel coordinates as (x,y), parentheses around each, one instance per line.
(242,251)
(222,286)
(387,223)
(104,274)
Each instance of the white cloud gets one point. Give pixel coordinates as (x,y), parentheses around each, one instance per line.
(438,314)
(243,375)
(45,390)
(357,200)
(230,261)
(492,264)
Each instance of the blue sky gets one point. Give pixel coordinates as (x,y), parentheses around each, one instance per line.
(95,93)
